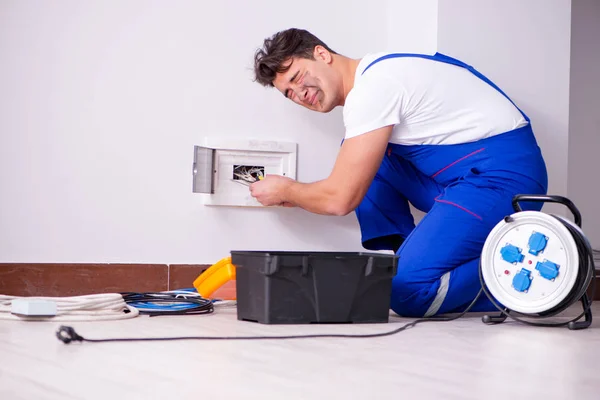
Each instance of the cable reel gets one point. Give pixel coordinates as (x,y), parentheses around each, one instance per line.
(536,265)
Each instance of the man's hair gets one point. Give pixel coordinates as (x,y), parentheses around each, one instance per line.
(279,48)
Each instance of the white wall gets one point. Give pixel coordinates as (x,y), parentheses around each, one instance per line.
(102,103)
(524,47)
(412,26)
(584,110)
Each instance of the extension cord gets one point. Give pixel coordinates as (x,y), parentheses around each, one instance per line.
(95,307)
(33,308)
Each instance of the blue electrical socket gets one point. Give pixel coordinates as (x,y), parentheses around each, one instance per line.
(511,254)
(522,280)
(537,243)
(547,269)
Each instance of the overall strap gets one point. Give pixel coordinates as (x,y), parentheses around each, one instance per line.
(448,60)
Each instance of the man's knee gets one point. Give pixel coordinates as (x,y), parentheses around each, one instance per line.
(411,297)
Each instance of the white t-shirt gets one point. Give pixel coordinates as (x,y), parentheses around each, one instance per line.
(429,102)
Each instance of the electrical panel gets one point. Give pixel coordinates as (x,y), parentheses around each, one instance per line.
(220,166)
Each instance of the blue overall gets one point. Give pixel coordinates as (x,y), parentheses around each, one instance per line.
(465,190)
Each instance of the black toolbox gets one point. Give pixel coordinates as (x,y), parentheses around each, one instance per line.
(278,287)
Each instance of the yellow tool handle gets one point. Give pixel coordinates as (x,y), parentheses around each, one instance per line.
(214,277)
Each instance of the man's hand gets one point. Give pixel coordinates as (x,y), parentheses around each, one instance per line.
(270,190)
(340,193)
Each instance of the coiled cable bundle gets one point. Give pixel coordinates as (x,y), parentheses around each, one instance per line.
(177,302)
(104,307)
(95,307)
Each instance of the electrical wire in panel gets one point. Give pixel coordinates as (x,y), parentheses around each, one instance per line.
(247,174)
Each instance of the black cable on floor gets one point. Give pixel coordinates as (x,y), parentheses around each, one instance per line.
(67,334)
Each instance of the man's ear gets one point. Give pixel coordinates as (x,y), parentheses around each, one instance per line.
(321,53)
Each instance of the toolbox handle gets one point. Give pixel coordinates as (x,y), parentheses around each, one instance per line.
(272,265)
(369,267)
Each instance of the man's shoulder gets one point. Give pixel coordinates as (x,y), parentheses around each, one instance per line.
(387,58)
(367,61)
(367,87)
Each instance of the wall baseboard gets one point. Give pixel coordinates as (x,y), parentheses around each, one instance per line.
(24,279)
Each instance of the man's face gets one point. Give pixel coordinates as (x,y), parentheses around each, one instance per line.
(311,83)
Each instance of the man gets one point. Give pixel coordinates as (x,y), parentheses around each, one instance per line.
(422,129)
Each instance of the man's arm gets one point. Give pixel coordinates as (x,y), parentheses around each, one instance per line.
(339,194)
